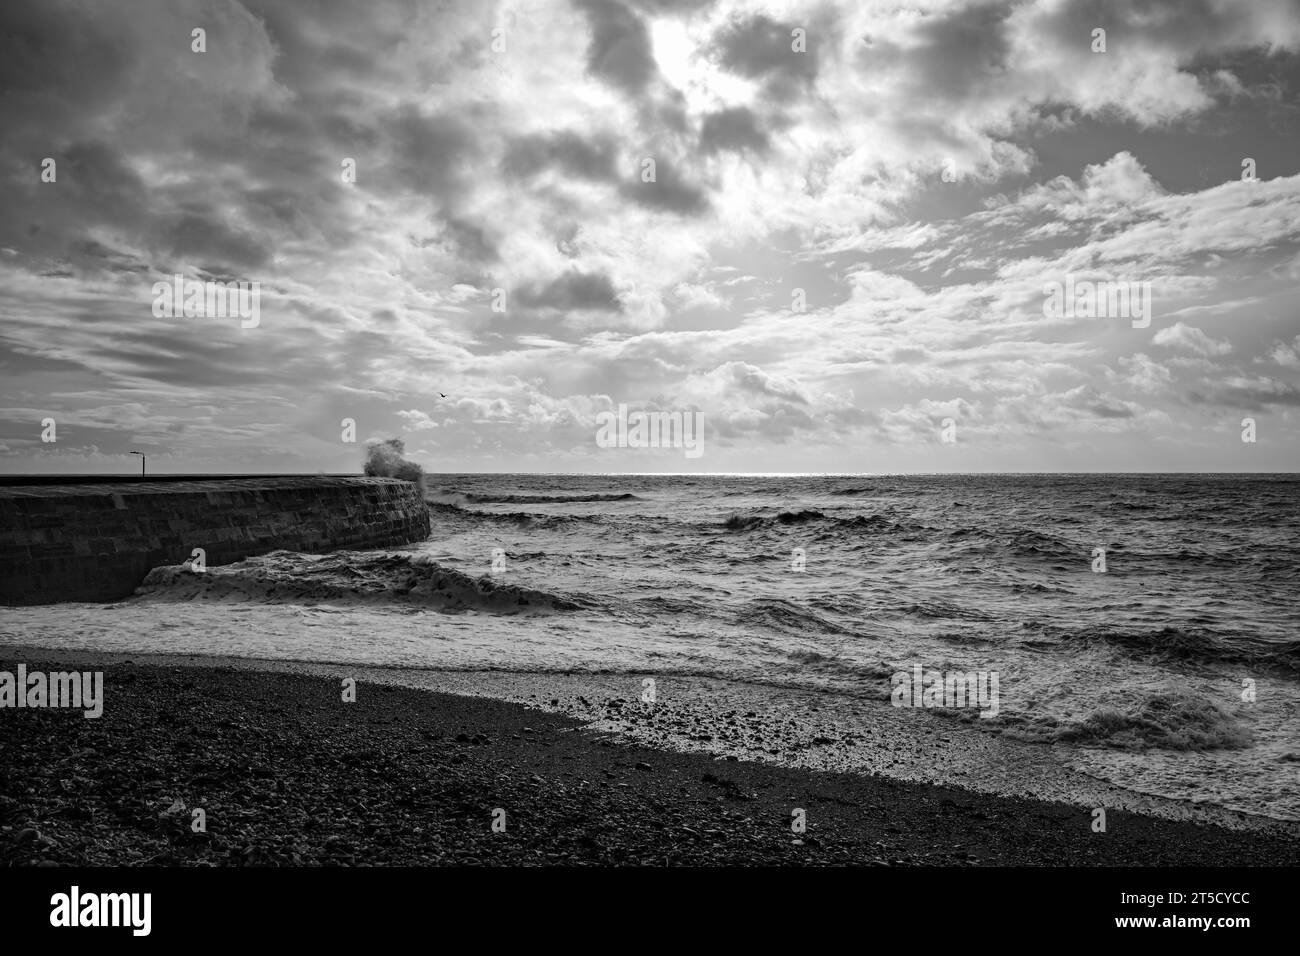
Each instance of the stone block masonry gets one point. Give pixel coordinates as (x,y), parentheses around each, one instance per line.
(96,541)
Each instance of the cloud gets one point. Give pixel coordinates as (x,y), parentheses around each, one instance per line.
(734,129)
(1190,339)
(753,379)
(1144,375)
(573,290)
(1287,354)
(1249,392)
(566,150)
(416,420)
(521,169)
(669,191)
(760,48)
(620,52)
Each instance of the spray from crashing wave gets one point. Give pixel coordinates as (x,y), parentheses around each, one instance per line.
(387,459)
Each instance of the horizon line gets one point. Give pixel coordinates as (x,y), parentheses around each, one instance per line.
(613,474)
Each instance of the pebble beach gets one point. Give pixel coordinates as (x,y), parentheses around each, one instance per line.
(286,773)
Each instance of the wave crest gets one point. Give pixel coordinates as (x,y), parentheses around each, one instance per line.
(1171,721)
(346,577)
(547,499)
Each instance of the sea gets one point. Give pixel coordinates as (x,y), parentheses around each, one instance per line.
(1142,628)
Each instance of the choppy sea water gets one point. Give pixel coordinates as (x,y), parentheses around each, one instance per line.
(1172,672)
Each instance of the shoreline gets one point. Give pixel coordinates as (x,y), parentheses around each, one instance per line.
(288,774)
(792,727)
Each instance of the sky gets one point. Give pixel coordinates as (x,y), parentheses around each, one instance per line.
(829,228)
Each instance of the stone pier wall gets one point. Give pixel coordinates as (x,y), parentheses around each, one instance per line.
(92,541)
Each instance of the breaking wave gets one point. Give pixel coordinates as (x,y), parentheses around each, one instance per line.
(547,499)
(1195,646)
(519,519)
(874,523)
(1171,721)
(346,577)
(786,615)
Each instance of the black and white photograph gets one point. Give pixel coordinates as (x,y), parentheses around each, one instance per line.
(656,435)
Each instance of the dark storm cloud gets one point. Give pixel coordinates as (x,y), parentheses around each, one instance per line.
(110,101)
(735,129)
(328,36)
(668,113)
(668,193)
(16,360)
(956,53)
(96,172)
(348,59)
(90,255)
(1173,24)
(94,186)
(55,63)
(573,290)
(201,233)
(471,241)
(430,153)
(672,6)
(620,52)
(1110,410)
(281,206)
(760,48)
(1256,395)
(965,48)
(529,155)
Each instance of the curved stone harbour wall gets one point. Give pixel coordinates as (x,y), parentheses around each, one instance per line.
(97,541)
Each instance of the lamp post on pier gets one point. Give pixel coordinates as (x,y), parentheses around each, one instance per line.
(143,458)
